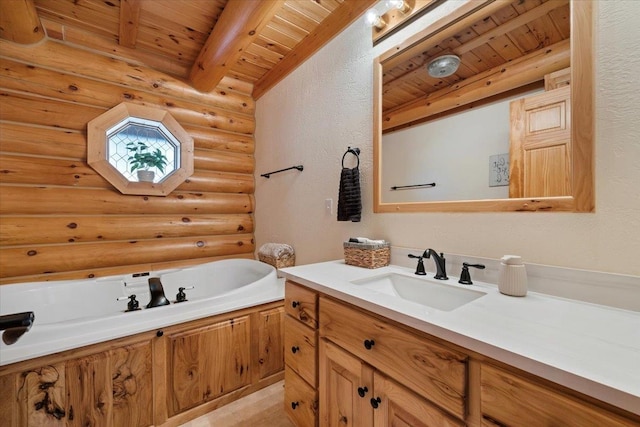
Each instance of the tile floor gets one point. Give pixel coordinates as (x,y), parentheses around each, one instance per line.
(264,408)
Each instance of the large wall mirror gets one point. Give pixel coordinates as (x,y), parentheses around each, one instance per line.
(488,109)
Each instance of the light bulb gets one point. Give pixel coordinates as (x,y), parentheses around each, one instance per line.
(374,19)
(401,5)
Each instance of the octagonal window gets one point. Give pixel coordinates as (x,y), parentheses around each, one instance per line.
(140,150)
(140,145)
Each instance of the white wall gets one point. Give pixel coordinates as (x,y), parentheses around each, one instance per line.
(326,105)
(455,157)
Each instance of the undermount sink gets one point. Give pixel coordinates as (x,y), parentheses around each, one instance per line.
(440,296)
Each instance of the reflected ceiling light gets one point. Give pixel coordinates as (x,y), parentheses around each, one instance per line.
(443,66)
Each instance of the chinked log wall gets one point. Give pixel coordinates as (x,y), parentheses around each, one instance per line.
(59,219)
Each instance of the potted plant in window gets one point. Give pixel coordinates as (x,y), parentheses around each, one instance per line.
(142,159)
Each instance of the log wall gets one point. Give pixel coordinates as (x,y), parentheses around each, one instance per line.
(59,219)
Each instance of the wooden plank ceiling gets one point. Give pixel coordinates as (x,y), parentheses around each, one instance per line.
(177,37)
(488,47)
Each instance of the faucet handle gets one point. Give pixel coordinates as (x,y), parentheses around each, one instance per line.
(420,267)
(132,305)
(181,296)
(465,277)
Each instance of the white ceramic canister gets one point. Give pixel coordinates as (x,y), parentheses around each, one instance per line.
(513,276)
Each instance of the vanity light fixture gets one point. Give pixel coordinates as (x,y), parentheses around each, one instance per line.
(374,16)
(443,66)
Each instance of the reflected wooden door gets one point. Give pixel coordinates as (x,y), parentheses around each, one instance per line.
(540,146)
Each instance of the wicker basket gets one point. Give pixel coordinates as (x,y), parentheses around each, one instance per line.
(286,260)
(367,255)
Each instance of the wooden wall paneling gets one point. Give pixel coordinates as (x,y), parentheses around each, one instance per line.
(37,80)
(219,182)
(60,220)
(215,139)
(44,171)
(18,200)
(19,107)
(33,259)
(55,142)
(223,162)
(23,108)
(56,56)
(25,230)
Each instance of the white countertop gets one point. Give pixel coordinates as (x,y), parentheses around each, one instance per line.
(590,348)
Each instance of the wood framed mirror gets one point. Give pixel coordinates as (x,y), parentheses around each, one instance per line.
(477,31)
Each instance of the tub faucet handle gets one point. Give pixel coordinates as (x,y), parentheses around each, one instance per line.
(181,296)
(132,305)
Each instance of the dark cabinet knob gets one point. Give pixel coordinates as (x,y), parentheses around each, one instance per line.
(375,402)
(159,333)
(294,405)
(295,304)
(295,349)
(368,344)
(362,391)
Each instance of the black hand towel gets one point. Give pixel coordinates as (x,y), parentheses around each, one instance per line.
(349,202)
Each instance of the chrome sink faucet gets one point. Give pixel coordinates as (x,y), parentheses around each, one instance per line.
(441,263)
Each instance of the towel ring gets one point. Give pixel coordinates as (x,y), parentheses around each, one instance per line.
(355,151)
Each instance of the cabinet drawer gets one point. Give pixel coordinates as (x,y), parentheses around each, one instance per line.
(508,399)
(300,349)
(429,369)
(301,303)
(300,402)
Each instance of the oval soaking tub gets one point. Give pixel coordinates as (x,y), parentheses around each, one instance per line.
(71,314)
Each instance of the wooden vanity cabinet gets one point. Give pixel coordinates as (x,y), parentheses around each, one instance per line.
(431,370)
(301,355)
(413,379)
(508,399)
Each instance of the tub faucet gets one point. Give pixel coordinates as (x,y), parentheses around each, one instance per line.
(157,293)
(15,325)
(441,264)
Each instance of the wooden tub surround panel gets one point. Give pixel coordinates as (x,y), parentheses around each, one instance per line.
(162,377)
(61,220)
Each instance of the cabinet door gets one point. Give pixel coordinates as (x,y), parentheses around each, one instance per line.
(132,385)
(346,386)
(397,406)
(41,396)
(208,362)
(270,341)
(540,147)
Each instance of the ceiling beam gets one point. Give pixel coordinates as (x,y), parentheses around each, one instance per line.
(129,22)
(238,26)
(519,72)
(19,22)
(340,18)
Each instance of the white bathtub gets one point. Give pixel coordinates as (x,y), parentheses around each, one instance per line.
(71,314)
